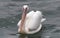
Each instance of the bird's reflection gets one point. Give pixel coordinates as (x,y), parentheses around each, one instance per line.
(23,36)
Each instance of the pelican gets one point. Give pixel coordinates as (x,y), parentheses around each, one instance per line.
(31,22)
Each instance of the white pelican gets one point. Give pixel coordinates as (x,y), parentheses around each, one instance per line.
(31,22)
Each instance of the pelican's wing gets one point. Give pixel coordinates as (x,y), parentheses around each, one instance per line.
(19,23)
(34,22)
(43,19)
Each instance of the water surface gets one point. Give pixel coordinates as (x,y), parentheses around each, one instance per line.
(10,14)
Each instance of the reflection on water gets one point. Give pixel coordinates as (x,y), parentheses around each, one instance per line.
(23,36)
(47,31)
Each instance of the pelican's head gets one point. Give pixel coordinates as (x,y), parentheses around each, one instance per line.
(25,7)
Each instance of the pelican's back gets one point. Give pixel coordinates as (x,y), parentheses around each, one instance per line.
(33,22)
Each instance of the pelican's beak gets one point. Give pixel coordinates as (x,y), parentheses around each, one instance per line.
(23,20)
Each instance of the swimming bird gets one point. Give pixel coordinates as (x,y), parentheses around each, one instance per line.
(31,22)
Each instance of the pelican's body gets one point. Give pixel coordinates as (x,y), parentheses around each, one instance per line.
(32,23)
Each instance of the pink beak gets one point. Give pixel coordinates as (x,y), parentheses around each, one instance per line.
(23,19)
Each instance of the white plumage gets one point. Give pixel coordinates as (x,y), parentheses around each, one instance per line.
(33,22)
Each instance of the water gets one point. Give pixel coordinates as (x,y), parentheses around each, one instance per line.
(10,13)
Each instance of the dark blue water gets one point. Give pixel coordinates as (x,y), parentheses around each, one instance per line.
(10,14)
